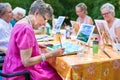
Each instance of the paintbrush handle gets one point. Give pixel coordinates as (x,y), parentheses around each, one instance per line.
(106,53)
(60,42)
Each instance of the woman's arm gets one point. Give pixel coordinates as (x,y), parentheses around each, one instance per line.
(117,32)
(90,21)
(27,60)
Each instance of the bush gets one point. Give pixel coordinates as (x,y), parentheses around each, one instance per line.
(20,3)
(67,7)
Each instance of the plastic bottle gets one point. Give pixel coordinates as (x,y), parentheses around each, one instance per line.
(67,32)
(48,29)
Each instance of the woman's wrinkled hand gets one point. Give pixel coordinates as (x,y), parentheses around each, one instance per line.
(58,52)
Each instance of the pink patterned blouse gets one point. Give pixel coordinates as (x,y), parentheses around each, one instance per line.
(22,37)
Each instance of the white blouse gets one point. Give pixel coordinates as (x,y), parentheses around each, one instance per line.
(116,45)
(85,20)
(116,24)
(5,31)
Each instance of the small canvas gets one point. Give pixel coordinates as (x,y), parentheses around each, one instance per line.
(85,32)
(70,48)
(103,31)
(58,24)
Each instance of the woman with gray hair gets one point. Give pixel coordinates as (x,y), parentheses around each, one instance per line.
(18,13)
(24,52)
(108,13)
(5,26)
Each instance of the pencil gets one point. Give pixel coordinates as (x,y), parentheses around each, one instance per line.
(60,42)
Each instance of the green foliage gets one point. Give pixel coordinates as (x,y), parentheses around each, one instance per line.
(57,6)
(67,7)
(20,3)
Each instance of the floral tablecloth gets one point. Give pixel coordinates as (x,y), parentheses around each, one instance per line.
(101,67)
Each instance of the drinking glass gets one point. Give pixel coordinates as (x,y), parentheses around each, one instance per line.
(95,47)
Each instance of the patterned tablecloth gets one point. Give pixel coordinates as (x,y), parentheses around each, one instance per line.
(73,67)
(101,67)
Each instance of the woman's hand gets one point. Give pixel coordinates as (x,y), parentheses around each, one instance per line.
(57,52)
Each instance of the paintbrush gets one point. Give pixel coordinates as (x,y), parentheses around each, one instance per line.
(60,42)
(106,53)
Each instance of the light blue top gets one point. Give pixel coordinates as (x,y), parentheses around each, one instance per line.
(5,31)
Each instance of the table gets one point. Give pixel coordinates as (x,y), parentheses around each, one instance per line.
(73,67)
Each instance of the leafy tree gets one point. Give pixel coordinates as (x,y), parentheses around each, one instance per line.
(57,6)
(67,7)
(20,3)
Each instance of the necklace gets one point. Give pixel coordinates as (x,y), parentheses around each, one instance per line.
(29,20)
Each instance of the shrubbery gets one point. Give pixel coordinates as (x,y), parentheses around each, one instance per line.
(67,7)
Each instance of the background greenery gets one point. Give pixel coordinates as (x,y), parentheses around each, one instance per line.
(67,7)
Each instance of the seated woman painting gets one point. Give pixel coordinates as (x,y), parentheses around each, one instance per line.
(23,51)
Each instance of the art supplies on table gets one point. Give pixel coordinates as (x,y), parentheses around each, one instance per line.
(70,48)
(85,32)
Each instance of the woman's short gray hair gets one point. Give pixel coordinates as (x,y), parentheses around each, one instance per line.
(42,8)
(109,7)
(3,7)
(82,6)
(49,10)
(19,10)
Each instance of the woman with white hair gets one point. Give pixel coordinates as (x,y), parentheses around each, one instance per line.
(18,13)
(5,26)
(108,13)
(24,53)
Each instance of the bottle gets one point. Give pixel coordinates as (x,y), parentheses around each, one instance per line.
(67,32)
(48,28)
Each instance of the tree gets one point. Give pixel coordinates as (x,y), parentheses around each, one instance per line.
(67,7)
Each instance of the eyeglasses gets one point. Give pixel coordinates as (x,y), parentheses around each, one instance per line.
(44,17)
(104,14)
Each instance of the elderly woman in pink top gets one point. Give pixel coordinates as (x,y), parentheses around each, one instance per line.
(23,51)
